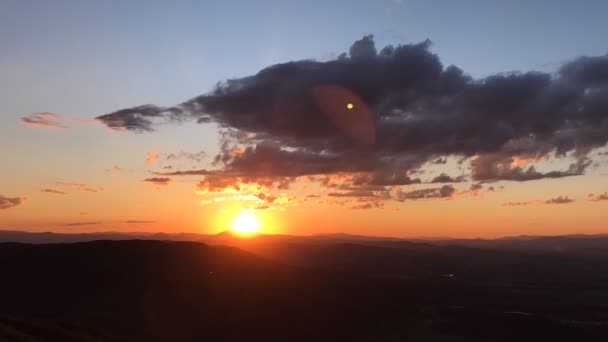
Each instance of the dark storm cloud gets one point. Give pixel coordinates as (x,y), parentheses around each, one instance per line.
(11,202)
(559,200)
(397,109)
(587,71)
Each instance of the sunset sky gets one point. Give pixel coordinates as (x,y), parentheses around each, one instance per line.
(314,117)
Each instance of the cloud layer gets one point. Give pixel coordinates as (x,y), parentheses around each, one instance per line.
(379,117)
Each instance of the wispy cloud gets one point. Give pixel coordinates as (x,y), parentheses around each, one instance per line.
(11,202)
(555,200)
(598,197)
(53,191)
(559,200)
(446,191)
(151,156)
(79,186)
(52,120)
(191,156)
(47,120)
(75,224)
(138,222)
(159,180)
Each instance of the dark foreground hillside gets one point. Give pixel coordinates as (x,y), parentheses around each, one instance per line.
(188,291)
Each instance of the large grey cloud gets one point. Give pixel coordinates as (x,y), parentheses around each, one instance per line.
(389,112)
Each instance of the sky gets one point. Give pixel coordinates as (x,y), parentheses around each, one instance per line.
(482,119)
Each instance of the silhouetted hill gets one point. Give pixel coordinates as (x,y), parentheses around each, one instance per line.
(593,245)
(189,291)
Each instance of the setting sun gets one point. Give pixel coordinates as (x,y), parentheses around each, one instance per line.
(245,223)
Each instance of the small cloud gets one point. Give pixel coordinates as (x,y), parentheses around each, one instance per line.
(201,172)
(151,156)
(194,157)
(138,221)
(556,200)
(53,191)
(79,187)
(598,197)
(11,202)
(115,168)
(446,191)
(477,186)
(75,224)
(159,180)
(371,205)
(52,120)
(47,120)
(443,178)
(516,204)
(559,200)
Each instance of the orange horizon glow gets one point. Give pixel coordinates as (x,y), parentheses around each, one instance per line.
(245,223)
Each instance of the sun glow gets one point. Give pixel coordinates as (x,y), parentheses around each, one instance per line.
(245,223)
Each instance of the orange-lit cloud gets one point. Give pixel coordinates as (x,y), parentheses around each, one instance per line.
(555,200)
(76,224)
(53,191)
(151,156)
(559,200)
(598,197)
(11,202)
(52,120)
(47,120)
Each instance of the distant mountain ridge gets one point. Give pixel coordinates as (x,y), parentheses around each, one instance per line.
(551,244)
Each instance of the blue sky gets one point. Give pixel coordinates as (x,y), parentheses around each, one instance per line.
(84,58)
